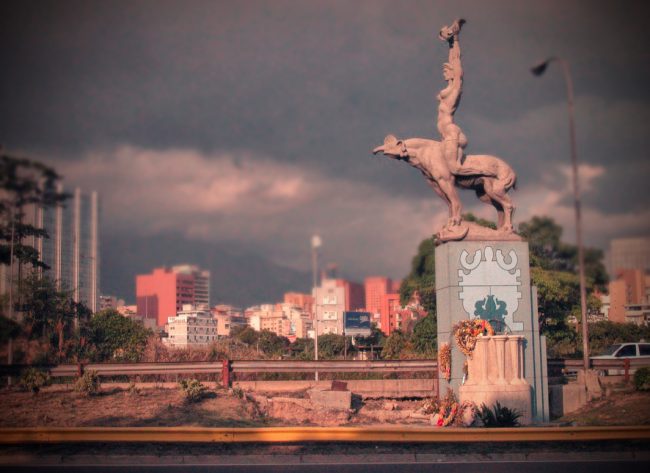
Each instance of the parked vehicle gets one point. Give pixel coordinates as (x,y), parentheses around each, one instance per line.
(622,351)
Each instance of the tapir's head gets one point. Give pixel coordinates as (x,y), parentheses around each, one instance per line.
(393,148)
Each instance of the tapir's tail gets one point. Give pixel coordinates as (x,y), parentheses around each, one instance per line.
(510,181)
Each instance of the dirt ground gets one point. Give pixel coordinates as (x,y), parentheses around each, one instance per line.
(115,407)
(623,406)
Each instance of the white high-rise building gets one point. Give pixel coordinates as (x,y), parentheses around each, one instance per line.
(191,327)
(329,304)
(72,249)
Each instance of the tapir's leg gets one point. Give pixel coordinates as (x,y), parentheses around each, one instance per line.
(436,188)
(483,197)
(447,186)
(499,194)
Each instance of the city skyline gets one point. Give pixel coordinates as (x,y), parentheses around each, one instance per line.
(252,126)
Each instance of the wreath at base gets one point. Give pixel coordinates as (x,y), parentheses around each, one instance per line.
(448,412)
(467,331)
(444,360)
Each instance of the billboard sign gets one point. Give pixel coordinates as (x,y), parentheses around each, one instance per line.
(357,323)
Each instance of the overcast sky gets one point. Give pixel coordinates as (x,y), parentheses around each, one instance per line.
(253,123)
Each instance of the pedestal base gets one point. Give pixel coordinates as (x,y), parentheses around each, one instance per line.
(491,280)
(511,396)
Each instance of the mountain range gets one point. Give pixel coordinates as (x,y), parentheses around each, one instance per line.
(237,277)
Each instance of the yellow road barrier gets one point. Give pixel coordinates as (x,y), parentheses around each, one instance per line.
(315,434)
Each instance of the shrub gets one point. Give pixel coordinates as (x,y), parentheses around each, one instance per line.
(88,384)
(111,336)
(641,379)
(33,379)
(499,416)
(192,389)
(239,392)
(133,389)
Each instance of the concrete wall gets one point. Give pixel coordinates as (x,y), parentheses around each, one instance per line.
(566,398)
(389,388)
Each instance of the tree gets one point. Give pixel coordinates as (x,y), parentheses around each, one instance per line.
(245,333)
(23,182)
(422,277)
(469,217)
(49,313)
(376,337)
(606,333)
(331,346)
(111,336)
(303,348)
(8,329)
(548,252)
(424,337)
(394,345)
(558,296)
(268,342)
(273,344)
(554,270)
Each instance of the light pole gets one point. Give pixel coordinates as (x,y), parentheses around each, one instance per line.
(10,344)
(538,69)
(316,243)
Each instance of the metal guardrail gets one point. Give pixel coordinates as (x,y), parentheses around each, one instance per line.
(316,434)
(622,364)
(226,367)
(112,369)
(331,366)
(600,364)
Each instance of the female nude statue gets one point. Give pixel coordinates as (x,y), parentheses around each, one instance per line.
(453,139)
(446,167)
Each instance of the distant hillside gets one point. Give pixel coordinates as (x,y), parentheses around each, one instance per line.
(239,279)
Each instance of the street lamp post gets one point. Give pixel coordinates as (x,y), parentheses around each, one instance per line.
(316,243)
(538,70)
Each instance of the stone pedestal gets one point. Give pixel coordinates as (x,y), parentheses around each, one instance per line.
(496,366)
(491,280)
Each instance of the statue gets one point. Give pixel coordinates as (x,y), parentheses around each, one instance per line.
(445,166)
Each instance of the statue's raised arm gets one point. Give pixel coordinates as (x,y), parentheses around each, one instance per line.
(453,139)
(450,35)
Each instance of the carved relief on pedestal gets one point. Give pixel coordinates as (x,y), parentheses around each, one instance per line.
(490,286)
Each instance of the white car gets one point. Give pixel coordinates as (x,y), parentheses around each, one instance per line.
(622,351)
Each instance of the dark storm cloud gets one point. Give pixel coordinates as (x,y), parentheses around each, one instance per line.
(318,84)
(214,74)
